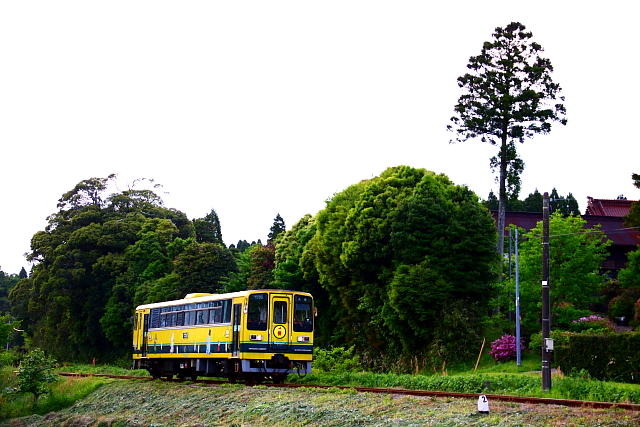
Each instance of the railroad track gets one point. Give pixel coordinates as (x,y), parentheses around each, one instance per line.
(407,392)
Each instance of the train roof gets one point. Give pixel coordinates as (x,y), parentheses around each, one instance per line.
(212,297)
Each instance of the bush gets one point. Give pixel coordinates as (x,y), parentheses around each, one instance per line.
(564,313)
(35,373)
(592,324)
(336,359)
(612,357)
(559,338)
(621,306)
(504,348)
(9,358)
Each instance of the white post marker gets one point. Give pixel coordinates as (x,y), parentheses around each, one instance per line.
(483,404)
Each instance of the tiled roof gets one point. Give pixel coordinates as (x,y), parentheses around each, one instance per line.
(608,207)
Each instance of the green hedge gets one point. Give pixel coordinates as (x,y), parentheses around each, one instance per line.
(611,357)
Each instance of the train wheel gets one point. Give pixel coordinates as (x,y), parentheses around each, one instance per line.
(278,378)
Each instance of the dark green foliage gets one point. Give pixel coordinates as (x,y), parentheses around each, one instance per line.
(565,205)
(261,265)
(336,359)
(7,281)
(394,253)
(242,245)
(508,95)
(565,313)
(276,229)
(611,357)
(623,305)
(23,273)
(533,202)
(208,229)
(35,373)
(98,258)
(201,267)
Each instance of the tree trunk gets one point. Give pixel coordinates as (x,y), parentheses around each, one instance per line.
(502,202)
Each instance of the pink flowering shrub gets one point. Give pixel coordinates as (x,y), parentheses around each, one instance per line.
(504,348)
(592,324)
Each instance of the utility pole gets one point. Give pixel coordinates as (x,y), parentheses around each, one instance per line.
(547,343)
(518,349)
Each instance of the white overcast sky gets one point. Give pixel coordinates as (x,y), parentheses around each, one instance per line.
(260,107)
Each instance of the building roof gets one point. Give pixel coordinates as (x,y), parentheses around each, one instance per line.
(608,207)
(612,226)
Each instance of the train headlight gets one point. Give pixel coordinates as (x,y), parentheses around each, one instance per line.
(255,337)
(303,339)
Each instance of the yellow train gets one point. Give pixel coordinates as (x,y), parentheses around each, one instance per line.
(249,335)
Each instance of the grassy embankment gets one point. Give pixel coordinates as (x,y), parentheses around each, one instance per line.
(64,393)
(491,378)
(503,378)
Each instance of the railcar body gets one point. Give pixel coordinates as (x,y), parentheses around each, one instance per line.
(251,335)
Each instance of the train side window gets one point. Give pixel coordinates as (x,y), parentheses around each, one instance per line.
(226,308)
(215,315)
(257,312)
(303,314)
(180,319)
(155,318)
(172,319)
(202,317)
(190,318)
(280,312)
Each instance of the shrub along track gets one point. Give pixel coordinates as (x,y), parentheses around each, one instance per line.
(406,392)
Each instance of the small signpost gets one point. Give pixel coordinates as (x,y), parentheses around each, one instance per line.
(483,404)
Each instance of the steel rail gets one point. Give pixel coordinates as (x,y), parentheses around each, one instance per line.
(408,392)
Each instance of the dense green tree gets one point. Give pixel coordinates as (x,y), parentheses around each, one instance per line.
(100,256)
(492,202)
(276,229)
(242,245)
(576,254)
(7,281)
(208,229)
(508,96)
(23,273)
(393,252)
(262,263)
(533,202)
(201,268)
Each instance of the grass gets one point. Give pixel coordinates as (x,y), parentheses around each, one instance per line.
(159,403)
(102,369)
(63,394)
(491,377)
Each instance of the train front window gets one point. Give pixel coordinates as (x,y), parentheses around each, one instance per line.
(303,314)
(257,312)
(280,312)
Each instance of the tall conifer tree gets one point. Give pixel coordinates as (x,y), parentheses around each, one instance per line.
(508,95)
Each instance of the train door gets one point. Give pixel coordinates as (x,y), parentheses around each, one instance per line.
(145,335)
(279,323)
(235,340)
